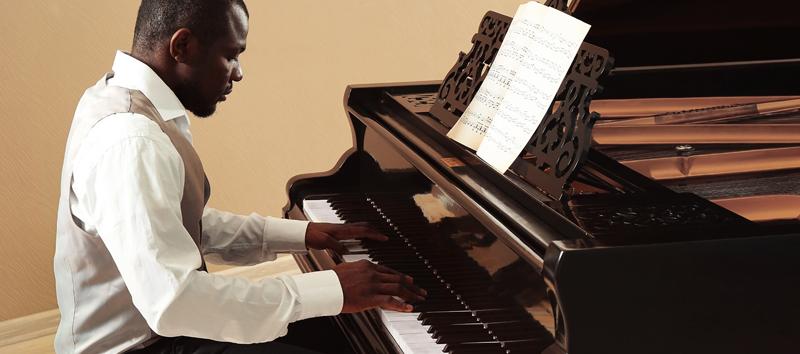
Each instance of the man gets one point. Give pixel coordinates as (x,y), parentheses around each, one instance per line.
(133,229)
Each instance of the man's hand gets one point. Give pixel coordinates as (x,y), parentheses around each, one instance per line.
(367,285)
(322,235)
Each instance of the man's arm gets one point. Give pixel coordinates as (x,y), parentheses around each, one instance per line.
(136,188)
(140,224)
(244,240)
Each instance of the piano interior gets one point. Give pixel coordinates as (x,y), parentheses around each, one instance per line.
(676,233)
(742,166)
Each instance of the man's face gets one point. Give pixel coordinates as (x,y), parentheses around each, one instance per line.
(217,67)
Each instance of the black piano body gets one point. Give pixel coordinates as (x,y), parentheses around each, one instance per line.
(623,262)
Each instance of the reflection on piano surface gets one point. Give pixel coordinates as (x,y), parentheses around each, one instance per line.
(677,232)
(481,297)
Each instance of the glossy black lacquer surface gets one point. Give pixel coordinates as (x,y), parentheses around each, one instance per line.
(610,290)
(486,284)
(481,295)
(642,33)
(629,265)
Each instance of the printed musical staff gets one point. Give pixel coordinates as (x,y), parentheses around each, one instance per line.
(536,54)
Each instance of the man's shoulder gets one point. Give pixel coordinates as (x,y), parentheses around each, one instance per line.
(124,126)
(105,119)
(130,129)
(102,99)
(107,116)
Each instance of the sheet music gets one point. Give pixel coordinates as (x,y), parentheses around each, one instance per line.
(553,40)
(476,119)
(539,47)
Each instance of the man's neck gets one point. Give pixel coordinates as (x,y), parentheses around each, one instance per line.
(159,65)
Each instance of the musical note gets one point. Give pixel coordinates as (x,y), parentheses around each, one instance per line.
(543,45)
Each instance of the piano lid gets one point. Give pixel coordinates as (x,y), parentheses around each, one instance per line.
(645,33)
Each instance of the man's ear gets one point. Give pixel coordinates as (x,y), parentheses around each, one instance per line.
(183,45)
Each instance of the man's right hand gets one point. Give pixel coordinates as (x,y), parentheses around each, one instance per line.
(367,285)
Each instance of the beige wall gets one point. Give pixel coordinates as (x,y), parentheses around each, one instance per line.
(284,119)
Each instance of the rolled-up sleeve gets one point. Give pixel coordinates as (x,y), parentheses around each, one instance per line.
(140,224)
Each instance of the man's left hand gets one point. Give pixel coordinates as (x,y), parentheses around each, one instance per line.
(323,235)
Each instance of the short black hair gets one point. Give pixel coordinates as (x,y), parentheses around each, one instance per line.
(158,20)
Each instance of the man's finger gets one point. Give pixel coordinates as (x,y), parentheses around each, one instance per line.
(383,269)
(396,289)
(391,303)
(371,235)
(336,246)
(360,231)
(393,276)
(407,283)
(405,280)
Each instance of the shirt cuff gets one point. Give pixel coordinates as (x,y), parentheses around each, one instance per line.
(319,294)
(284,235)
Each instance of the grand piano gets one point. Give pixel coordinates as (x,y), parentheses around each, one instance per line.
(654,211)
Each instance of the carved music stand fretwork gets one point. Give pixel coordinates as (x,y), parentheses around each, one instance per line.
(462,82)
(563,139)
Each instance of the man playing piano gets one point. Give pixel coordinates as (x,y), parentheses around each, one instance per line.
(133,230)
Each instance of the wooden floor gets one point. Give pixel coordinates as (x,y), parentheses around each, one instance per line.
(34,334)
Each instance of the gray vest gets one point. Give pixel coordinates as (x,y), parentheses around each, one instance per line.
(73,243)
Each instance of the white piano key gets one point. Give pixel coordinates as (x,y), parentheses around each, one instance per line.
(319,210)
(425,348)
(353,248)
(407,331)
(400,316)
(418,338)
(356,257)
(409,327)
(410,339)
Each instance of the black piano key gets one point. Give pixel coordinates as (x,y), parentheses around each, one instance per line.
(443,321)
(426,306)
(460,328)
(461,308)
(482,302)
(497,316)
(474,351)
(439,313)
(475,347)
(518,333)
(461,337)
(527,346)
(455,315)
(521,336)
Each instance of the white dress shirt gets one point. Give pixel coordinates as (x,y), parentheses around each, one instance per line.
(137,217)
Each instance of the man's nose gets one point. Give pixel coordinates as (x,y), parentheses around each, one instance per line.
(238,73)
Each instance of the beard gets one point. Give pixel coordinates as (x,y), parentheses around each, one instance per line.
(204,112)
(192,99)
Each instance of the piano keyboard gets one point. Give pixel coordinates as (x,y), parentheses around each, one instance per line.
(462,314)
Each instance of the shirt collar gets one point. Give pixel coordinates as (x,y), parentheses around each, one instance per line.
(132,74)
